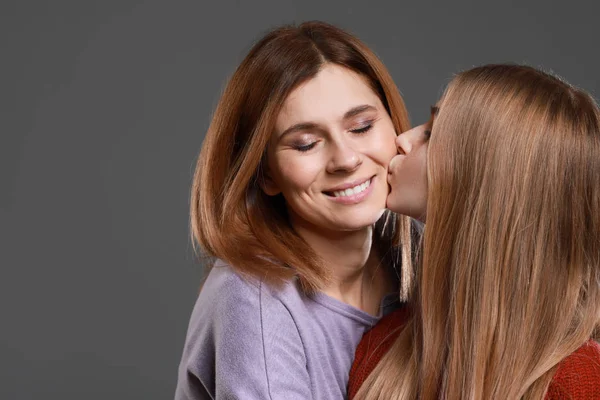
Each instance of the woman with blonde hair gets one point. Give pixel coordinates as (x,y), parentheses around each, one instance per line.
(289,198)
(506,300)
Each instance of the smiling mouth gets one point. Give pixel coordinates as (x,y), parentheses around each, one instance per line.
(350,191)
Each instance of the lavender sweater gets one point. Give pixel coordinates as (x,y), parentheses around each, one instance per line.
(249,341)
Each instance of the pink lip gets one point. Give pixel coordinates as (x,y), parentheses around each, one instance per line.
(394,163)
(355,198)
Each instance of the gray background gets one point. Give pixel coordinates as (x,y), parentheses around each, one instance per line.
(103,109)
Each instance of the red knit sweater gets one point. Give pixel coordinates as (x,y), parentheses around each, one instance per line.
(577,377)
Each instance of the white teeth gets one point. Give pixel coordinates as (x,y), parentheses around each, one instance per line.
(355,190)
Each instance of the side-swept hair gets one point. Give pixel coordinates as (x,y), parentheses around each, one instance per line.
(231,218)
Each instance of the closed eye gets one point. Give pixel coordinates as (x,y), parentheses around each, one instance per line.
(305,147)
(362,129)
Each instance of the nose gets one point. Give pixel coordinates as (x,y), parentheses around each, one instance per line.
(344,158)
(406,141)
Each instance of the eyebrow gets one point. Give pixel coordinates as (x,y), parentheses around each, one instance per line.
(354,111)
(303,126)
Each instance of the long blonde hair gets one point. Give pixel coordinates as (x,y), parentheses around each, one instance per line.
(231,218)
(508,284)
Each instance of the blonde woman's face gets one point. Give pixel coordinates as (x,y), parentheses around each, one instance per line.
(330,151)
(407,174)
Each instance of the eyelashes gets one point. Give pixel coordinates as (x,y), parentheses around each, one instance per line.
(367,127)
(305,147)
(361,130)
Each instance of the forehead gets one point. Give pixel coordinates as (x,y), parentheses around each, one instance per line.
(327,96)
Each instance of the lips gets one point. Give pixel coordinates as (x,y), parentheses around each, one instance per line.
(349,189)
(394,161)
(353,190)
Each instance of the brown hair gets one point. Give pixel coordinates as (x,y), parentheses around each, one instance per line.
(509,280)
(231,218)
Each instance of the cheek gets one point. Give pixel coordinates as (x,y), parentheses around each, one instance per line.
(410,172)
(420,179)
(418,168)
(409,186)
(423,163)
(295,171)
(384,145)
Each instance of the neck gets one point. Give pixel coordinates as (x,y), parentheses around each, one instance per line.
(359,277)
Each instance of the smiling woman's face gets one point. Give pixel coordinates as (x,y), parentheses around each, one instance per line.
(329,153)
(407,173)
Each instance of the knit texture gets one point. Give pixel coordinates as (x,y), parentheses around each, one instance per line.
(577,376)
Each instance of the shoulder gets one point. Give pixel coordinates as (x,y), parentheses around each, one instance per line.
(232,301)
(374,345)
(224,286)
(578,375)
(227,292)
(240,337)
(233,312)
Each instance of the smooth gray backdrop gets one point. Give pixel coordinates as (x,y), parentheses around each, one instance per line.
(103,108)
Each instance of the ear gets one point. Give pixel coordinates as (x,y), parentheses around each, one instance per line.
(268,185)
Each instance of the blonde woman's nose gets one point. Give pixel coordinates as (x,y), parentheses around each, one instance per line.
(407,140)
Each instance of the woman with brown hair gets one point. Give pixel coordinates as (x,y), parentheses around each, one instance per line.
(289,199)
(506,300)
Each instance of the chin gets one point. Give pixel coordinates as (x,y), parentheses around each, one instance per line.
(356,224)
